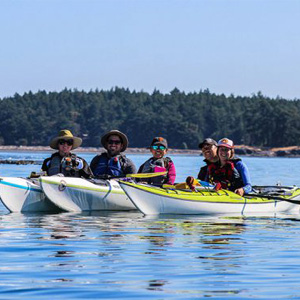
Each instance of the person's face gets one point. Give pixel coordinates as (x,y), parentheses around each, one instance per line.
(158,151)
(210,152)
(224,153)
(65,147)
(114,145)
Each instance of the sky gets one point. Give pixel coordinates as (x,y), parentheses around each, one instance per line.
(238,47)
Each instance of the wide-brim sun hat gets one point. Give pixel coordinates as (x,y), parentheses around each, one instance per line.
(65,135)
(225,142)
(120,134)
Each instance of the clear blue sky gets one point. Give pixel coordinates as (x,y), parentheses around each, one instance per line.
(228,46)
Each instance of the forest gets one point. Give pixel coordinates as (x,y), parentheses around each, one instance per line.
(184,119)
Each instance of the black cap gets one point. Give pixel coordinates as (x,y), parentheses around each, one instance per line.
(208,141)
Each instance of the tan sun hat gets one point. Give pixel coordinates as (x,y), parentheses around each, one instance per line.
(65,135)
(120,134)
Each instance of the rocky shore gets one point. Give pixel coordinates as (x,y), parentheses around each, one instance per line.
(292,151)
(242,150)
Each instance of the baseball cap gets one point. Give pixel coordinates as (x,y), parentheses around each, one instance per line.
(159,141)
(208,141)
(225,142)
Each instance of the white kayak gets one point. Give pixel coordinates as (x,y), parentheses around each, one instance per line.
(152,200)
(24,195)
(78,194)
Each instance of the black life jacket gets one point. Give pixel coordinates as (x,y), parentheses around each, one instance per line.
(68,166)
(153,165)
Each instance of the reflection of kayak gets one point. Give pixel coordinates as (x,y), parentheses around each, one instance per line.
(24,195)
(77,194)
(154,200)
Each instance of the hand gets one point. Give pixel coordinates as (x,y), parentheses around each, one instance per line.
(240,191)
(190,181)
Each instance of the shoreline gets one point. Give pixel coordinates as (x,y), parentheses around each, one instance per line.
(93,150)
(292,151)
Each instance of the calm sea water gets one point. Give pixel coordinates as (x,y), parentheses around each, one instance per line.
(127,255)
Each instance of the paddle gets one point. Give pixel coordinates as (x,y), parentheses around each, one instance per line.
(271,198)
(145,175)
(137,175)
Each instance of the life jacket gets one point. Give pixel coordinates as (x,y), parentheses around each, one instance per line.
(110,166)
(68,166)
(154,165)
(227,176)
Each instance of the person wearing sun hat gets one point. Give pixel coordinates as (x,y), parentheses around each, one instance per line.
(230,172)
(159,163)
(63,161)
(113,162)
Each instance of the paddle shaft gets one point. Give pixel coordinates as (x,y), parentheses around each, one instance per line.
(147,175)
(272,198)
(137,175)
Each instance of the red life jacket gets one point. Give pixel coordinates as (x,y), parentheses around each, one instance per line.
(222,175)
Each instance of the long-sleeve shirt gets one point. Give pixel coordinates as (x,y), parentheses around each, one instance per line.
(244,172)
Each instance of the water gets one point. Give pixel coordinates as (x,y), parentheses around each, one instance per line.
(127,255)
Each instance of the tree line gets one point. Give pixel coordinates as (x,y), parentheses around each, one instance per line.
(182,118)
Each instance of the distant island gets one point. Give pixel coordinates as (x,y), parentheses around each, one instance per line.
(184,119)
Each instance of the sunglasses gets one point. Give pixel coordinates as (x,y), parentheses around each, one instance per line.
(111,142)
(68,142)
(160,147)
(207,147)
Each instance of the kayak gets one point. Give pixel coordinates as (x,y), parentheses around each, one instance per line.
(152,200)
(78,194)
(24,195)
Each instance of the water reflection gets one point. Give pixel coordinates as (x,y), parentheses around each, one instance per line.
(127,253)
(156,285)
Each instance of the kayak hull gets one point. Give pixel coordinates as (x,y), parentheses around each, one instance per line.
(78,194)
(24,195)
(154,201)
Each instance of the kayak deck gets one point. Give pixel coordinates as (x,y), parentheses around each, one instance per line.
(78,194)
(24,195)
(155,200)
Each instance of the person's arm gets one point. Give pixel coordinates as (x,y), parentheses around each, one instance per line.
(171,173)
(202,175)
(244,172)
(45,165)
(139,171)
(84,169)
(141,168)
(130,167)
(94,162)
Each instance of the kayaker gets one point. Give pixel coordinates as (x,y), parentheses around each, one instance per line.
(159,163)
(64,161)
(209,151)
(229,172)
(112,162)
